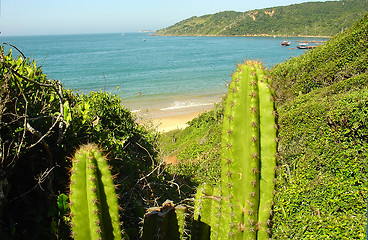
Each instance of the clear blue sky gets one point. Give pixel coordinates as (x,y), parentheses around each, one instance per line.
(35,17)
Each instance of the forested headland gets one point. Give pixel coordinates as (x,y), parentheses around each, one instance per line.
(305,19)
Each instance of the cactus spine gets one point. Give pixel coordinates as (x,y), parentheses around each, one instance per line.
(93,202)
(248,156)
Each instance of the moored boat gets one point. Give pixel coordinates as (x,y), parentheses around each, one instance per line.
(285,43)
(305,46)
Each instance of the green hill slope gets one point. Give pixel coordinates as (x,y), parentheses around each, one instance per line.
(341,58)
(313,18)
(323,112)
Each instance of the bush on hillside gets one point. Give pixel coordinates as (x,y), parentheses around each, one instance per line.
(322,187)
(41,124)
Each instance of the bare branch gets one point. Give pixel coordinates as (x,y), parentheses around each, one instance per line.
(153,161)
(11,45)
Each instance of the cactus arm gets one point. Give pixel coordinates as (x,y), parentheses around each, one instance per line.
(78,198)
(108,204)
(230,166)
(268,155)
(254,154)
(202,213)
(83,197)
(240,154)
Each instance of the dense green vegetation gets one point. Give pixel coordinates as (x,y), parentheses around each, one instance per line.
(197,148)
(322,175)
(313,19)
(323,96)
(323,169)
(41,125)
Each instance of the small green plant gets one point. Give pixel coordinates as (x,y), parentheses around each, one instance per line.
(248,161)
(93,203)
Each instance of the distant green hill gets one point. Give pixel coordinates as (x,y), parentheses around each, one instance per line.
(312,18)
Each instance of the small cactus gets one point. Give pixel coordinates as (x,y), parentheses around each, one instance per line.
(93,202)
(166,222)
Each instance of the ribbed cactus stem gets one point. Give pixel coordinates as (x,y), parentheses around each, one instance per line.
(268,136)
(215,212)
(202,213)
(93,202)
(240,152)
(164,222)
(248,158)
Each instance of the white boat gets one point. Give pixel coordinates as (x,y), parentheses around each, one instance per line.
(285,43)
(305,46)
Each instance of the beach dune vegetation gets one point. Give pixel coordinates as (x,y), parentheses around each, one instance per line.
(321,185)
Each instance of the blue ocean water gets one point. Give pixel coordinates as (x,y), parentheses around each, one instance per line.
(150,71)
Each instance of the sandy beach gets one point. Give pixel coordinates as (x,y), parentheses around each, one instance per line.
(171,119)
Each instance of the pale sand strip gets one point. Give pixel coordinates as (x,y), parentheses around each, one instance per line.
(168,120)
(169,123)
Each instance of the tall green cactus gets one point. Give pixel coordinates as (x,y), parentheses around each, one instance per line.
(93,202)
(248,158)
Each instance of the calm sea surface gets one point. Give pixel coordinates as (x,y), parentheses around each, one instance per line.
(151,72)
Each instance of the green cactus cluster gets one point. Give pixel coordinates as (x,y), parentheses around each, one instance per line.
(240,208)
(243,207)
(93,202)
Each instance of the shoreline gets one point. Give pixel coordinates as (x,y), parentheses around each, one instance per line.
(170,112)
(246,35)
(172,119)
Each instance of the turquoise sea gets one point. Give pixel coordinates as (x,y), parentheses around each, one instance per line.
(151,72)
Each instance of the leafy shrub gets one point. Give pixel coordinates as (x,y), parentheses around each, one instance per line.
(32,124)
(41,124)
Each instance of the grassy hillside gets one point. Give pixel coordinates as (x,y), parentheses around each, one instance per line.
(197,148)
(323,108)
(323,168)
(313,18)
(340,58)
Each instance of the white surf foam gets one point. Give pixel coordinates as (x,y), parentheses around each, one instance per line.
(184,104)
